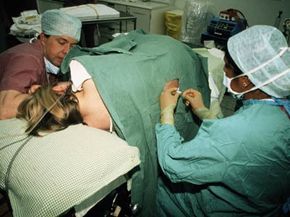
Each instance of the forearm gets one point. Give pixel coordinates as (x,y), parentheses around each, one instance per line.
(194,99)
(167,115)
(9,102)
(168,141)
(204,113)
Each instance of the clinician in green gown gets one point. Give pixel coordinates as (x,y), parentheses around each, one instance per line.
(239,165)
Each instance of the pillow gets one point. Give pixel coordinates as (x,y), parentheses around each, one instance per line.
(53,173)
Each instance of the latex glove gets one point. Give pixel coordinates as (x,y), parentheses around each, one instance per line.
(204,113)
(168,101)
(194,99)
(168,97)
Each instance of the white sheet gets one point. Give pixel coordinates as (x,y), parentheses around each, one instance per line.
(87,12)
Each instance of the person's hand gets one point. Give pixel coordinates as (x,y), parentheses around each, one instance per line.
(33,88)
(168,98)
(61,87)
(171,83)
(193,98)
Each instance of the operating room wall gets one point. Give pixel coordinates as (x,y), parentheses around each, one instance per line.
(256,11)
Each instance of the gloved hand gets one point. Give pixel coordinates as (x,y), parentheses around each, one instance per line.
(168,100)
(194,99)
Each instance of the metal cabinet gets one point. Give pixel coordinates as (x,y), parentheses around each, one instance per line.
(143,17)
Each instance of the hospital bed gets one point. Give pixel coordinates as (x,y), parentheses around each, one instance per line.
(79,166)
(73,168)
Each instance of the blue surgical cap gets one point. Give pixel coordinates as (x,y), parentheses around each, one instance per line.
(262,53)
(57,22)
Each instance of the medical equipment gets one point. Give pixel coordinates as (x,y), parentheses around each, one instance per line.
(220,29)
(178,91)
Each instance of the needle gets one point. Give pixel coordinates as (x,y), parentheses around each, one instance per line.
(178,91)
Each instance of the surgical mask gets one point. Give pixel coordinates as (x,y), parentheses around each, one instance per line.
(50,67)
(227,81)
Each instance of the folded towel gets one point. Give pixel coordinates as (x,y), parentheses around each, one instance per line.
(87,12)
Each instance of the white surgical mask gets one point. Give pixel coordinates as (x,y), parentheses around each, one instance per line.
(50,67)
(227,83)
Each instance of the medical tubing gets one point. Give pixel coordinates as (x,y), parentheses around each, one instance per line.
(7,175)
(166,115)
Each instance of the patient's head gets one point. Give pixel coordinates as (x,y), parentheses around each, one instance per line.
(47,111)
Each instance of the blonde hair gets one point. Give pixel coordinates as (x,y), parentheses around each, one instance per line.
(47,111)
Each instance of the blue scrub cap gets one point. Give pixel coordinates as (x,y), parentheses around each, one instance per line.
(262,53)
(57,22)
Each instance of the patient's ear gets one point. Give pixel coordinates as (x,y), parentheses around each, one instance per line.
(33,88)
(61,87)
(171,84)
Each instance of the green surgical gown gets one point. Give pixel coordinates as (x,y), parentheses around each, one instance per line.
(236,166)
